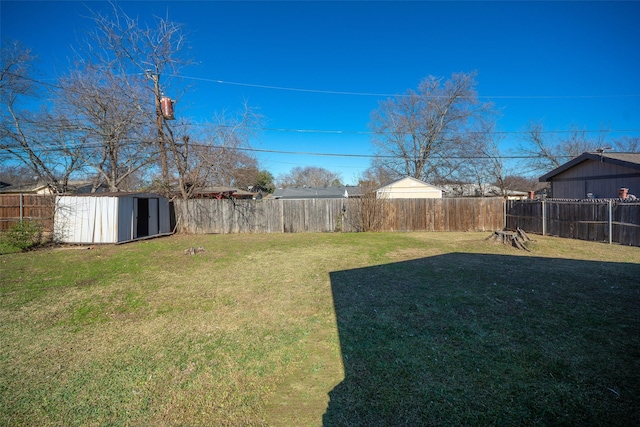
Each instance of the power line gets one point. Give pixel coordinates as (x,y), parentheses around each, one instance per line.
(360,132)
(291,153)
(284,88)
(377,156)
(375,94)
(524,132)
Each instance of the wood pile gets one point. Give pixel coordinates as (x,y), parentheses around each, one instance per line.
(517,238)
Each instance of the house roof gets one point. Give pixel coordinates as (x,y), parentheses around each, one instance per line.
(73,186)
(114,194)
(333,192)
(217,189)
(629,160)
(223,191)
(24,188)
(409,178)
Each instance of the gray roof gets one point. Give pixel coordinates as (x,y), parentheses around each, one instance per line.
(218,189)
(73,186)
(141,194)
(629,160)
(333,192)
(31,187)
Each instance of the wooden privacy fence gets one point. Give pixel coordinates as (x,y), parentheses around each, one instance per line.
(15,208)
(331,215)
(597,220)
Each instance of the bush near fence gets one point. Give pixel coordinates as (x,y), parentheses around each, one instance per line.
(601,220)
(331,215)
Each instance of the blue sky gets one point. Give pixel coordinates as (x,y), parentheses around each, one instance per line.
(565,64)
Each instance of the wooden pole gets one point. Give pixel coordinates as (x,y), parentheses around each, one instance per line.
(504,217)
(610,221)
(164,164)
(544,219)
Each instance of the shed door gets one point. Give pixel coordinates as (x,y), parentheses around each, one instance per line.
(147,217)
(142,217)
(154,219)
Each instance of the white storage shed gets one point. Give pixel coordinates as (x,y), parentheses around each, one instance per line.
(110,217)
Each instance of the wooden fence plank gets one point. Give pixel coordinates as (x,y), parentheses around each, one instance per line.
(276,216)
(33,207)
(584,220)
(326,215)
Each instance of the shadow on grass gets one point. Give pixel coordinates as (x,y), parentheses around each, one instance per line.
(472,339)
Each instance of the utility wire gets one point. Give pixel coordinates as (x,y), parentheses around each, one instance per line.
(359,132)
(374,94)
(36,123)
(294,153)
(362,132)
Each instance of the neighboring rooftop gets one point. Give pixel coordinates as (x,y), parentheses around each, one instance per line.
(630,160)
(333,192)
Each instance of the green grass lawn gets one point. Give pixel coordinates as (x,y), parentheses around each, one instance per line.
(321,329)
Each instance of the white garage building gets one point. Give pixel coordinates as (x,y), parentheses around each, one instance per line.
(409,188)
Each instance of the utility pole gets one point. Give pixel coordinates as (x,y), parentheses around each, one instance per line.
(164,164)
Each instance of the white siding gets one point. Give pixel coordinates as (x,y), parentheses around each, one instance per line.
(107,219)
(409,188)
(86,219)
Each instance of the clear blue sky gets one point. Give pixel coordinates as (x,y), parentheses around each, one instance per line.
(562,63)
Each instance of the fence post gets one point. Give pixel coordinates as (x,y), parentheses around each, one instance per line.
(544,219)
(504,219)
(21,208)
(610,221)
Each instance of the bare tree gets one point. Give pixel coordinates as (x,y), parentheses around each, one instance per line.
(26,137)
(367,212)
(309,176)
(627,144)
(546,151)
(423,133)
(100,111)
(520,183)
(107,114)
(376,176)
(482,162)
(154,52)
(216,154)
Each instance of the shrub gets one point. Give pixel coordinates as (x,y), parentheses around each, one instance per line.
(24,236)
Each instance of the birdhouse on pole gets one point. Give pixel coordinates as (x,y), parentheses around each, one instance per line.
(166,105)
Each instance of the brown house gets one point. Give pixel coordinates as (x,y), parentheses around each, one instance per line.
(596,175)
